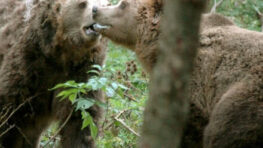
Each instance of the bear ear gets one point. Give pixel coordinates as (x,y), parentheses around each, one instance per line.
(83,4)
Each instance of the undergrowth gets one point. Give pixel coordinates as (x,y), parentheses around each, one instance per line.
(125,86)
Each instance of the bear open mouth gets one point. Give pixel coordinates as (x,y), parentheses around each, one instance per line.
(89,30)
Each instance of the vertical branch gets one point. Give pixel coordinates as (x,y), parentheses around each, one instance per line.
(260,15)
(166,111)
(261,21)
(216,4)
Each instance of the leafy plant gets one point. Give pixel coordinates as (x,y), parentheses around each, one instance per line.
(125,88)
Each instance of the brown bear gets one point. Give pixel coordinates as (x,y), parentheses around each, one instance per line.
(226,89)
(43,43)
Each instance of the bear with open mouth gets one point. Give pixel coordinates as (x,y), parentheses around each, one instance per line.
(43,43)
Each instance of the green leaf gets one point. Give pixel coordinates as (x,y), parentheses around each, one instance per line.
(121,93)
(73,97)
(85,123)
(93,72)
(62,93)
(81,85)
(65,85)
(83,91)
(71,84)
(114,85)
(93,128)
(66,93)
(110,92)
(84,114)
(83,104)
(103,81)
(88,121)
(98,67)
(92,84)
(58,86)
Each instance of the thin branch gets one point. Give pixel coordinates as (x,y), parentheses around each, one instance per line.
(60,128)
(7,130)
(257,10)
(107,113)
(124,124)
(216,4)
(120,113)
(127,127)
(14,111)
(24,136)
(261,20)
(2,116)
(116,116)
(130,97)
(260,17)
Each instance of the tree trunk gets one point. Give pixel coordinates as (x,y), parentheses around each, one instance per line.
(166,111)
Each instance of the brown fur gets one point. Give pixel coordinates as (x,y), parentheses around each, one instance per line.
(227,73)
(226,86)
(50,47)
(117,34)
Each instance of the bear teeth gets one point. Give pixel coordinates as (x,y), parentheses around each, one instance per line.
(99,26)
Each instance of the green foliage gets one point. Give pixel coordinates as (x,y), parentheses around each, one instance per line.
(88,121)
(126,105)
(125,87)
(243,12)
(114,1)
(45,139)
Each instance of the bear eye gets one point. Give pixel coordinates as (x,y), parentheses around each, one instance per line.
(123,5)
(83,5)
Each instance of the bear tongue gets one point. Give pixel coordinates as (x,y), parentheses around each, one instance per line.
(99,26)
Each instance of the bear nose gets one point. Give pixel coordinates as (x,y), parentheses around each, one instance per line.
(94,10)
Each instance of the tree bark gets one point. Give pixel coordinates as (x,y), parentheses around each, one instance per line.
(166,111)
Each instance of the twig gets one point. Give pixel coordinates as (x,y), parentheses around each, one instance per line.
(107,113)
(261,20)
(127,127)
(14,111)
(124,124)
(24,136)
(117,116)
(260,17)
(7,130)
(216,4)
(130,98)
(120,113)
(2,117)
(60,128)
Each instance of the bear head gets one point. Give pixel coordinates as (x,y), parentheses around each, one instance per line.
(118,22)
(61,28)
(76,23)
